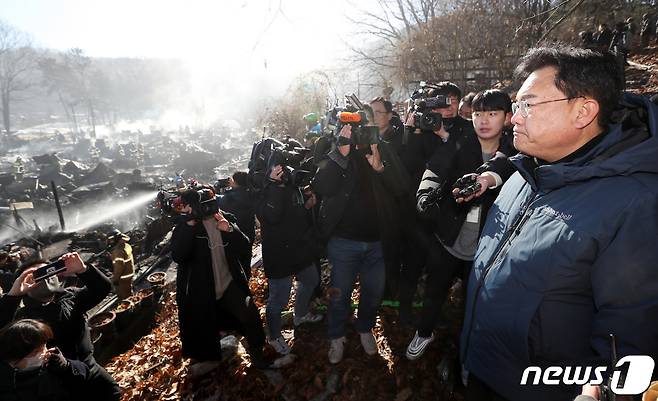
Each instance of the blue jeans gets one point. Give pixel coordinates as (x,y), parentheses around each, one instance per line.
(279,294)
(349,258)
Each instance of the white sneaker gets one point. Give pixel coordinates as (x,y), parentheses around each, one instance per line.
(418,345)
(368,343)
(336,348)
(307,318)
(280,346)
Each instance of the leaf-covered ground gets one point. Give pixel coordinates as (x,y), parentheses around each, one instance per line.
(154,370)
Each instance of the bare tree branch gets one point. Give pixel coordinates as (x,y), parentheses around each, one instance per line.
(560,21)
(546,11)
(403,15)
(388,32)
(17,60)
(413,12)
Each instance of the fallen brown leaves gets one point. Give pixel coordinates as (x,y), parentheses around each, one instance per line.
(154,369)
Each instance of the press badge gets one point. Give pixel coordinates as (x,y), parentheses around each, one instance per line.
(473,215)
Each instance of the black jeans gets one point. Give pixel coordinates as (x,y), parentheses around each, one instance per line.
(442,269)
(414,252)
(239,306)
(245,261)
(404,258)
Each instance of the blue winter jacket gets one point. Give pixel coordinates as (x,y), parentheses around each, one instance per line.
(569,255)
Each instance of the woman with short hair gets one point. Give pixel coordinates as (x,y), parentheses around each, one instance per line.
(29,371)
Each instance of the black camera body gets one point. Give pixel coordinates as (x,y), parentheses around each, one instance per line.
(290,153)
(354,114)
(269,152)
(204,205)
(467,186)
(166,201)
(423,104)
(222,184)
(362,134)
(424,117)
(207,205)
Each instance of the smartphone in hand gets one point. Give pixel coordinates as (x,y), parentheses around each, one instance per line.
(49,270)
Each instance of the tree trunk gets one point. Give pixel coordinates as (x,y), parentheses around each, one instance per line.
(92,118)
(75,120)
(5,113)
(63,103)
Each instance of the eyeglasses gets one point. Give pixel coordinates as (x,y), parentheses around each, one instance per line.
(524,107)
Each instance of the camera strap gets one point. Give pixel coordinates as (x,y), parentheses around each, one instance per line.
(299,196)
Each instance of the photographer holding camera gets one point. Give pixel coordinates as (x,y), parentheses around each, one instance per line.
(239,201)
(456,226)
(211,288)
(433,129)
(433,122)
(358,184)
(289,248)
(64,310)
(404,256)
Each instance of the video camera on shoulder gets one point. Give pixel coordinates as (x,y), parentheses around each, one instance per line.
(355,115)
(222,184)
(201,199)
(269,152)
(423,104)
(165,201)
(204,204)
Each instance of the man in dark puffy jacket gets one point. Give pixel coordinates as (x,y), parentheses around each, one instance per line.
(568,253)
(289,248)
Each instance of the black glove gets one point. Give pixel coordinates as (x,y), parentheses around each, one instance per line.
(55,361)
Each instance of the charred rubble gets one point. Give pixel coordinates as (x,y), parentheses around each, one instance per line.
(63,191)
